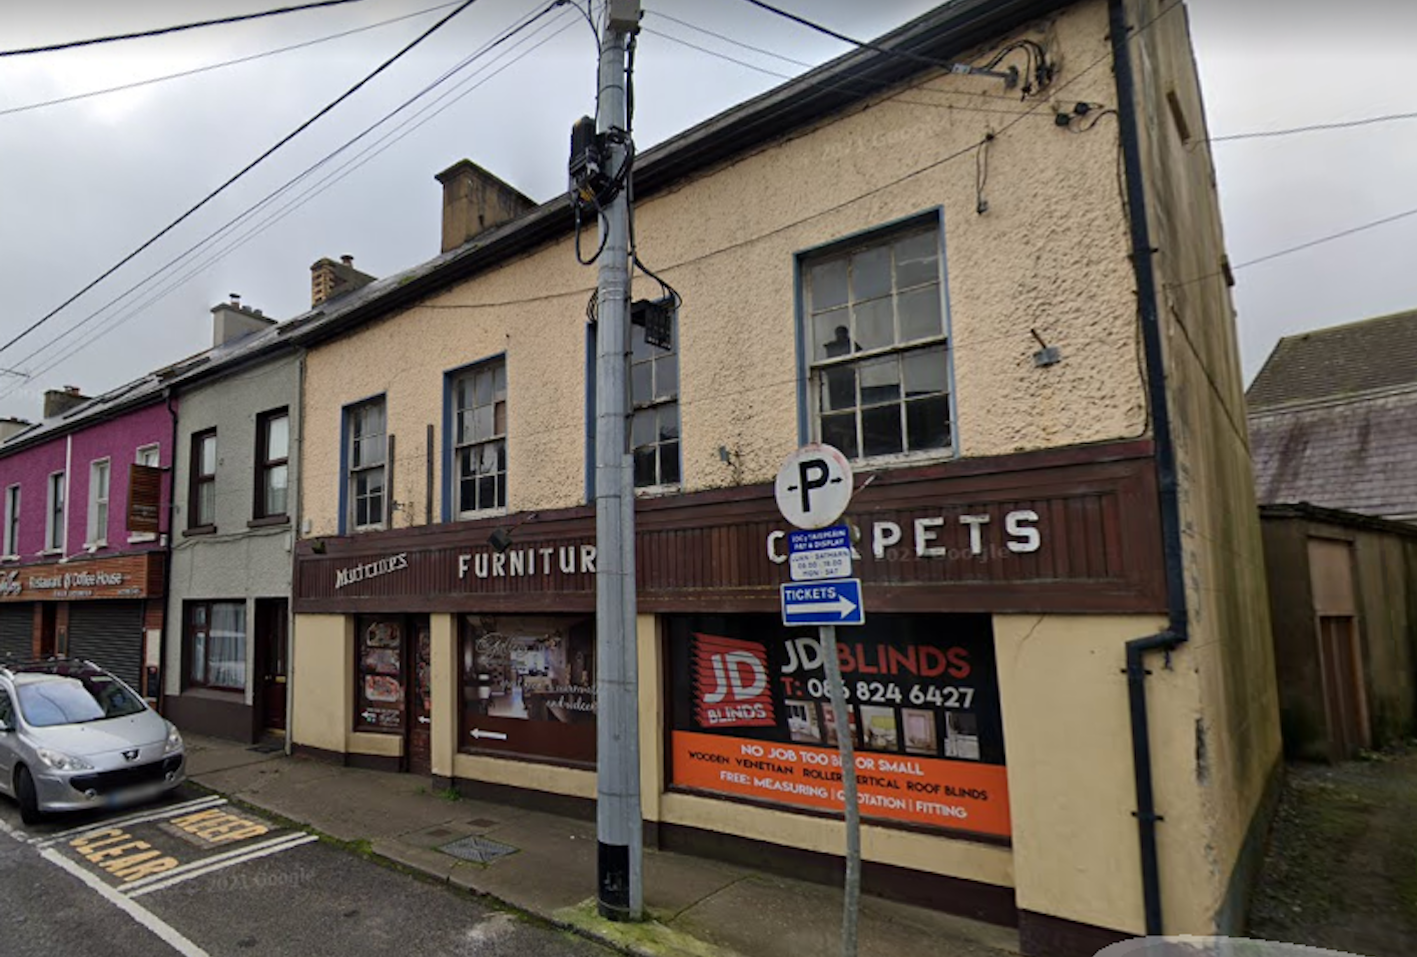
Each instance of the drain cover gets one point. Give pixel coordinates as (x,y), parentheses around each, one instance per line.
(440,832)
(482,822)
(479,850)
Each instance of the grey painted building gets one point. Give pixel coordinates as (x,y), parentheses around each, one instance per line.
(233,522)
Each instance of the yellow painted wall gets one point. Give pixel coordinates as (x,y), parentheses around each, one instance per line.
(322,658)
(1226,754)
(525,774)
(443,638)
(1050,254)
(1067,737)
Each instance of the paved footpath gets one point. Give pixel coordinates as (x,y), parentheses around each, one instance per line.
(197,876)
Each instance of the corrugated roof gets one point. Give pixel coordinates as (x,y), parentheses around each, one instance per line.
(1355,455)
(1367,356)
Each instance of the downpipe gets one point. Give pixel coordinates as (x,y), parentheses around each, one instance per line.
(1177,631)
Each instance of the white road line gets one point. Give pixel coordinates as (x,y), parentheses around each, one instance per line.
(201,871)
(164,931)
(14,832)
(201,804)
(214,859)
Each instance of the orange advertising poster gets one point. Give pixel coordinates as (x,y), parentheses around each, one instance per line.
(752,716)
(958,795)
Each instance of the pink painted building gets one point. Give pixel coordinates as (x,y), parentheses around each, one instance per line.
(84,522)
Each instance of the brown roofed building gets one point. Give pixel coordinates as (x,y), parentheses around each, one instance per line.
(1333,418)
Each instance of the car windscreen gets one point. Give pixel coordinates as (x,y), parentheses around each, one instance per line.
(94,697)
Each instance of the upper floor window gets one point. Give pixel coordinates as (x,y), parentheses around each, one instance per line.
(54,517)
(12,520)
(272,463)
(98,503)
(202,495)
(654,393)
(366,455)
(879,362)
(147,455)
(480,437)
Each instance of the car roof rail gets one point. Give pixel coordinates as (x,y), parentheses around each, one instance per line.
(23,664)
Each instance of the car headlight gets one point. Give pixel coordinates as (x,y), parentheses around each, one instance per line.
(62,762)
(174,739)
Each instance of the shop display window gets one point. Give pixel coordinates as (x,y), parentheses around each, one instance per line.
(527,686)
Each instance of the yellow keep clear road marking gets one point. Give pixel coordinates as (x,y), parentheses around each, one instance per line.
(219,827)
(117,852)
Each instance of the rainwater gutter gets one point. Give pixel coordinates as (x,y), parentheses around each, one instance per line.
(1177,631)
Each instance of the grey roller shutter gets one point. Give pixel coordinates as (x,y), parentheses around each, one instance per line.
(16,632)
(110,634)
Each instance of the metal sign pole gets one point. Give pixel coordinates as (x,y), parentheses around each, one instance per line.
(846,745)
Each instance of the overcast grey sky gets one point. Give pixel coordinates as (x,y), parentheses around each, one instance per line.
(82,183)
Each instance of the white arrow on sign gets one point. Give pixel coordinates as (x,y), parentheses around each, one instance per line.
(368,716)
(842,606)
(495,735)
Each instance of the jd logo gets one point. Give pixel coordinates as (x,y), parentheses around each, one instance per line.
(730,670)
(731,683)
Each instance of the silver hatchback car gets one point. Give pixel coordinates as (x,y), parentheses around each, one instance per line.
(73,736)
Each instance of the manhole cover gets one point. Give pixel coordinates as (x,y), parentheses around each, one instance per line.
(482,822)
(479,850)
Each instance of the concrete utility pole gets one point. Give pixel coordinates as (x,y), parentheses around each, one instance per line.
(620,891)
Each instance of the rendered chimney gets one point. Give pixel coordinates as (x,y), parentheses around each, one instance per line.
(231,320)
(475,201)
(59,401)
(330,279)
(11,427)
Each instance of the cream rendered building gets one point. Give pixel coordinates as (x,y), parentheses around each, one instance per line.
(1064,689)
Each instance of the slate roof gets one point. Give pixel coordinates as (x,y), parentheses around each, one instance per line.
(1333,418)
(1358,454)
(1374,354)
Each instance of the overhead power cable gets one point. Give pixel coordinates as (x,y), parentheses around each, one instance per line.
(240,173)
(163,31)
(1317,127)
(1176,4)
(417,120)
(224,63)
(846,87)
(953,67)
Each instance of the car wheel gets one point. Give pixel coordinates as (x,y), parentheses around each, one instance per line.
(28,798)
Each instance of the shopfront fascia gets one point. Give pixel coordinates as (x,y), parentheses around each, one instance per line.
(734,712)
(108,610)
(1072,531)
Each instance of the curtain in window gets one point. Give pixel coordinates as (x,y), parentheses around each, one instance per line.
(226,647)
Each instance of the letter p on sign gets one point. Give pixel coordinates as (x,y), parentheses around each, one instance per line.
(814,486)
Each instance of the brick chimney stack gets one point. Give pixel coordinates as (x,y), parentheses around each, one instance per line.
(330,279)
(474,201)
(59,401)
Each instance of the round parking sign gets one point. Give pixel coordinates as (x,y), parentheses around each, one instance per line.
(814,486)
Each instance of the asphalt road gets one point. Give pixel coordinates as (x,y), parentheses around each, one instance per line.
(194,876)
